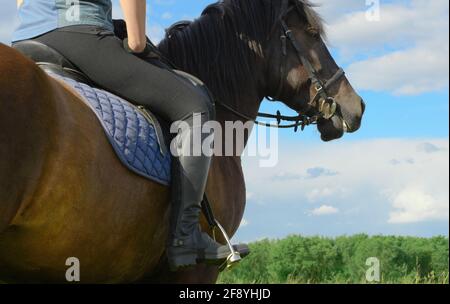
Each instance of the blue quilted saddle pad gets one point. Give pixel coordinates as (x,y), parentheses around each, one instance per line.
(132,134)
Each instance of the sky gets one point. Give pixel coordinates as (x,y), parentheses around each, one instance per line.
(392,176)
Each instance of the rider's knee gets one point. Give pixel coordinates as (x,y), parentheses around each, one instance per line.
(206,105)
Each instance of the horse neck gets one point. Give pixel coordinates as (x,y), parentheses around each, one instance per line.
(248,104)
(226,59)
(247,97)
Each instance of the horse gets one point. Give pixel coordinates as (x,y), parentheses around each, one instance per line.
(63,191)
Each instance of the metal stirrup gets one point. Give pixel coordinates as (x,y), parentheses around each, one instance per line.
(234,257)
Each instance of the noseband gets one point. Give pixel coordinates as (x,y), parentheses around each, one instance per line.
(324,104)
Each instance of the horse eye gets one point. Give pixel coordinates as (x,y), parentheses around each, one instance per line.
(313,32)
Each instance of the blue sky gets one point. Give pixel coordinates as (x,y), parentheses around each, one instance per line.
(392,176)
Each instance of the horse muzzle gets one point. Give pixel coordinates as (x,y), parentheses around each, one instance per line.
(331,129)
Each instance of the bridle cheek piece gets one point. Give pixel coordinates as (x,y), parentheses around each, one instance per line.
(324,104)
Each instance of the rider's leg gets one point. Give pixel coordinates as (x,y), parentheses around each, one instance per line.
(102,57)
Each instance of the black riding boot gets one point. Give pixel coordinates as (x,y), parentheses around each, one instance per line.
(187,244)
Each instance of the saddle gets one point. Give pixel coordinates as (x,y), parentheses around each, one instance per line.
(134,132)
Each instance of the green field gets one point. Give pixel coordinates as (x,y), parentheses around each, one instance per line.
(312,260)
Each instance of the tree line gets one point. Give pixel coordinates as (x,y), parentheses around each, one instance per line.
(298,259)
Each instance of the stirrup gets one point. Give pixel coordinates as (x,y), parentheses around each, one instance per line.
(235,257)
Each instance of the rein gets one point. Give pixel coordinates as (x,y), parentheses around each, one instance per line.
(300,121)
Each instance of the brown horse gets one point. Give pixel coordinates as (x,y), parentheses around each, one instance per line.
(63,191)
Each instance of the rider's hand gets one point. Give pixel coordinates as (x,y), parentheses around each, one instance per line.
(136,47)
(135,16)
(133,48)
(149,51)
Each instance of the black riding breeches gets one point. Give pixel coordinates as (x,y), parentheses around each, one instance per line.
(101,56)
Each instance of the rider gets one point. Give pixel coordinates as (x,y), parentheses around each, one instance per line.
(83,32)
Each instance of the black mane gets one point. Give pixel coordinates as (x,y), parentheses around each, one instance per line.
(215,47)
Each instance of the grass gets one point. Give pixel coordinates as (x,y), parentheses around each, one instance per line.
(442,279)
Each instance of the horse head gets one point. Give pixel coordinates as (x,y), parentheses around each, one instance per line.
(246,50)
(304,75)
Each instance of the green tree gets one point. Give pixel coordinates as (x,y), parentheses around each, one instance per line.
(297,259)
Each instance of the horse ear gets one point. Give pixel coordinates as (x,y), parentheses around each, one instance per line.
(311,17)
(214,9)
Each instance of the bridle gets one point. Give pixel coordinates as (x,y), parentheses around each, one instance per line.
(324,105)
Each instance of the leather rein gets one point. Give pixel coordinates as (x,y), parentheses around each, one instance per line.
(325,105)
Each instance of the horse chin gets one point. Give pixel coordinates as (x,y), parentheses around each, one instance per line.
(331,129)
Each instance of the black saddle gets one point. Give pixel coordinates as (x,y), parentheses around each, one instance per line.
(50,60)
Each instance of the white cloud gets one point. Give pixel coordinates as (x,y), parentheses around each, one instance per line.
(333,10)
(408,72)
(367,181)
(400,25)
(321,193)
(324,210)
(413,205)
(406,52)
